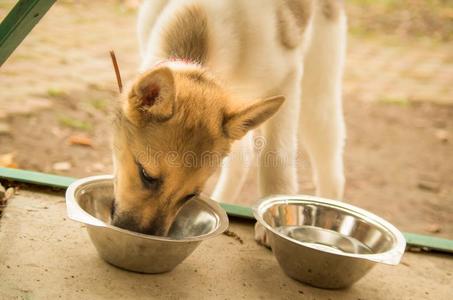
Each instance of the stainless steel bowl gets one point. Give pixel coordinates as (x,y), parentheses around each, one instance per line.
(326,243)
(89,201)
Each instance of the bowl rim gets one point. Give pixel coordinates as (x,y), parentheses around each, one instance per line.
(77,213)
(390,257)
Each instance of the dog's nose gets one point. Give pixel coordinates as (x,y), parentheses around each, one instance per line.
(157,226)
(156,231)
(126,221)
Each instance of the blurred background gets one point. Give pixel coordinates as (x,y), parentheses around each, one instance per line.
(58,87)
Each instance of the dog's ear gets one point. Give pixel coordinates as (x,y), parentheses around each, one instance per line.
(236,125)
(152,97)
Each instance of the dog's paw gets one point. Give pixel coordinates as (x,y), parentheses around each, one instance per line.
(261,235)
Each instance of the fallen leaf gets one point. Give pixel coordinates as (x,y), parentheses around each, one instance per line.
(81,140)
(7,160)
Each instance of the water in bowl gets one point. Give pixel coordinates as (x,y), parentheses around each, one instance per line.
(325,240)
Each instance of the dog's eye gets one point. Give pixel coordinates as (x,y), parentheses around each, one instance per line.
(149,181)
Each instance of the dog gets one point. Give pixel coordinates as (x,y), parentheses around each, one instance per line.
(211,72)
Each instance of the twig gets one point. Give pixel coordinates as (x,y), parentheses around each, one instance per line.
(234,235)
(117,71)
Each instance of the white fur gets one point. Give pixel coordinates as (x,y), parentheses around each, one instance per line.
(309,77)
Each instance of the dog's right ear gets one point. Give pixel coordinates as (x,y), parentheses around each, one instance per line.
(152,97)
(236,125)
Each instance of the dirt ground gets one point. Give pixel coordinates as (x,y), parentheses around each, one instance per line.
(398,100)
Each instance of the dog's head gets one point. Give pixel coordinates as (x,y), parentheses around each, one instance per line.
(171,133)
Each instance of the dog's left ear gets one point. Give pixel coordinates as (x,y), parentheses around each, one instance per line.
(236,125)
(152,97)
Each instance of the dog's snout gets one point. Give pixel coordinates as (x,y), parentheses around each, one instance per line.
(112,210)
(125,221)
(160,231)
(156,226)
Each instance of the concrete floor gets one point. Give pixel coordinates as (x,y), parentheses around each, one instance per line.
(44,255)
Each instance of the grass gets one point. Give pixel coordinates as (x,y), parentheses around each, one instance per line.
(55,92)
(73,123)
(417,19)
(99,104)
(403,102)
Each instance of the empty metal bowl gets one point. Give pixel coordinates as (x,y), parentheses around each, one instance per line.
(89,201)
(326,243)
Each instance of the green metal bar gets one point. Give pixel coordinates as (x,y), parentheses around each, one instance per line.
(430,242)
(37,178)
(240,211)
(413,240)
(19,22)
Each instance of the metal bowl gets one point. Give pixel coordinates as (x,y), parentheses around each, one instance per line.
(89,201)
(326,243)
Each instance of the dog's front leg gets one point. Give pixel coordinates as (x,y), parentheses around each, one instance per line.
(322,127)
(277,162)
(234,170)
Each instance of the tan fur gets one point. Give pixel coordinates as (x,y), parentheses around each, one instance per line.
(239,123)
(139,112)
(293,17)
(183,149)
(172,149)
(187,35)
(332,9)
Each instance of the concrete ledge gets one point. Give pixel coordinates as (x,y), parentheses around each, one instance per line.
(43,255)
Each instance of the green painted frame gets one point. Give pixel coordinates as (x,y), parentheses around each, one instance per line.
(18,24)
(233,210)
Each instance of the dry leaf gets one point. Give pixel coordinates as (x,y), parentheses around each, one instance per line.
(7,160)
(80,140)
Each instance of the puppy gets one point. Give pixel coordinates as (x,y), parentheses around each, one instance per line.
(211,72)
